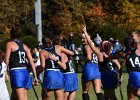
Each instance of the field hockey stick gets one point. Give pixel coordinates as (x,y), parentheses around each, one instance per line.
(41,83)
(35,92)
(121,92)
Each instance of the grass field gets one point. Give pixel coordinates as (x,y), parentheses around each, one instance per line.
(31,95)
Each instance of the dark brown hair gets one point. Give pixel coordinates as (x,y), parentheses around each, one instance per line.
(15,31)
(137,32)
(46,42)
(57,41)
(128,42)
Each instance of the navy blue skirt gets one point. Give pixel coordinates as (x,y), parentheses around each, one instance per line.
(109,79)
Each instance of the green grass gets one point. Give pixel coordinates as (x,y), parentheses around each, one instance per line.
(31,95)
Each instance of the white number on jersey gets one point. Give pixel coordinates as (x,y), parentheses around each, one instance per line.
(109,65)
(52,62)
(21,57)
(94,58)
(70,65)
(135,63)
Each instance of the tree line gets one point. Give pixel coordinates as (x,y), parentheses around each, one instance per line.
(109,18)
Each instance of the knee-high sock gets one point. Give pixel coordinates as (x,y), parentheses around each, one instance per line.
(100,96)
(85,96)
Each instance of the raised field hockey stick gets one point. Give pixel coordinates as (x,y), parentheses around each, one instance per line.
(35,92)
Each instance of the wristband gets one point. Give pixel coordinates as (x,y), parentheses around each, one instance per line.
(57,60)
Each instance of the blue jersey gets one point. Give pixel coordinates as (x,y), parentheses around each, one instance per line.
(18,57)
(50,64)
(133,62)
(133,69)
(53,77)
(109,74)
(69,67)
(107,65)
(94,58)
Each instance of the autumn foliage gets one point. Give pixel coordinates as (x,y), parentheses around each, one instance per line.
(107,17)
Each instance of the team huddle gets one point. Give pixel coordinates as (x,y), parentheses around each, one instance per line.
(101,68)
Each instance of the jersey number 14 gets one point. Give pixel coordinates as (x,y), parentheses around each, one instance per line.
(135,63)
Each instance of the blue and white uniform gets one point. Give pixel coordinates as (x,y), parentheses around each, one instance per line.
(53,77)
(109,74)
(70,78)
(133,69)
(19,75)
(4,95)
(91,69)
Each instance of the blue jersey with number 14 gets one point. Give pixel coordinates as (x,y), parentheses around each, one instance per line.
(133,62)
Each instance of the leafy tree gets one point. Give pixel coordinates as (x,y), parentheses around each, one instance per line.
(32,43)
(12,11)
(129,17)
(3,44)
(107,17)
